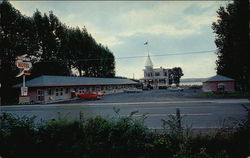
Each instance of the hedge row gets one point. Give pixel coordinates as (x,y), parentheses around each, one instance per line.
(119,137)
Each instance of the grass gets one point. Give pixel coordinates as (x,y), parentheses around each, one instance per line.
(225,95)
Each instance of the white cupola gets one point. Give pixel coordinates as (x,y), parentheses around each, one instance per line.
(149,63)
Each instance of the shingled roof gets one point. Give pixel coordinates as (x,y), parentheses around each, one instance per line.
(47,81)
(219,78)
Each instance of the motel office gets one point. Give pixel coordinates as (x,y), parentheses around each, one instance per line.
(46,89)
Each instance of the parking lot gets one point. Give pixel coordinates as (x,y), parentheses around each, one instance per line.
(149,96)
(200,113)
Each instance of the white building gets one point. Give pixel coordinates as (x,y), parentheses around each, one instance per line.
(155,77)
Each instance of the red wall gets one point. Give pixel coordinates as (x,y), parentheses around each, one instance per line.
(212,86)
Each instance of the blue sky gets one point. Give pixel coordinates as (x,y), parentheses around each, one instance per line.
(169,26)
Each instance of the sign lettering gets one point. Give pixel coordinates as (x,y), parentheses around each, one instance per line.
(23,65)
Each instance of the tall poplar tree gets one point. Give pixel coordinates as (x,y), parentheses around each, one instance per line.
(55,48)
(16,38)
(232,41)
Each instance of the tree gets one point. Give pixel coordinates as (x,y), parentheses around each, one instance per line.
(175,75)
(54,48)
(232,41)
(49,60)
(16,38)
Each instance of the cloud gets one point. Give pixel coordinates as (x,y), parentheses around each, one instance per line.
(168,30)
(170,27)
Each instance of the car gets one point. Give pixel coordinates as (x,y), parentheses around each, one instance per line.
(147,87)
(88,95)
(175,89)
(133,90)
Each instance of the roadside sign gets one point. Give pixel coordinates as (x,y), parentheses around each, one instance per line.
(26,73)
(23,65)
(23,58)
(24,91)
(20,74)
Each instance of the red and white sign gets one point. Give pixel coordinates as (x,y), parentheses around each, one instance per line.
(26,73)
(23,65)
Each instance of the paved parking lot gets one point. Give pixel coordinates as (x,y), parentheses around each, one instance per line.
(149,96)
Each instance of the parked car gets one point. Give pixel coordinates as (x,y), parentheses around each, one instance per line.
(91,95)
(175,89)
(147,87)
(133,90)
(163,87)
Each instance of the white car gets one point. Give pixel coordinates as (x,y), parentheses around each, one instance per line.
(133,90)
(175,89)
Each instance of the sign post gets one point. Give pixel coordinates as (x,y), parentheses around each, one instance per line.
(24,64)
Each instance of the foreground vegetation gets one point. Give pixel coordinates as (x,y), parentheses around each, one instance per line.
(117,137)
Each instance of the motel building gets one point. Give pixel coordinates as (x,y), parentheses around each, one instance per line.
(46,89)
(219,83)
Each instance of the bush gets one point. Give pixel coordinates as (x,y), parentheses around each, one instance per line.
(118,137)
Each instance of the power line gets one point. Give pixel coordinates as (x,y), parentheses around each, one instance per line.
(142,56)
(170,54)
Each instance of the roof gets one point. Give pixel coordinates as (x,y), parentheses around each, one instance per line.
(47,81)
(219,78)
(149,62)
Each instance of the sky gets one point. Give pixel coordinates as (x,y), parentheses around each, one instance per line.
(170,27)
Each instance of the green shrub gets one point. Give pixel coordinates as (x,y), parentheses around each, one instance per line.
(118,137)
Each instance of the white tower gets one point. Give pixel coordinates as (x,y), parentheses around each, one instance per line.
(149,63)
(148,71)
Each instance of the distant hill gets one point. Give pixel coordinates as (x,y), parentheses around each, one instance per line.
(193,79)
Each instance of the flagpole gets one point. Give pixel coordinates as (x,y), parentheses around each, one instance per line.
(147,47)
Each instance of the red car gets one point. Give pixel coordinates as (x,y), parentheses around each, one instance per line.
(91,95)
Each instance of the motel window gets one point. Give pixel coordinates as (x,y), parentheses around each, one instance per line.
(61,91)
(157,74)
(81,90)
(57,92)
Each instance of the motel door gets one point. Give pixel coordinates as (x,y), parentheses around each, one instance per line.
(59,93)
(40,95)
